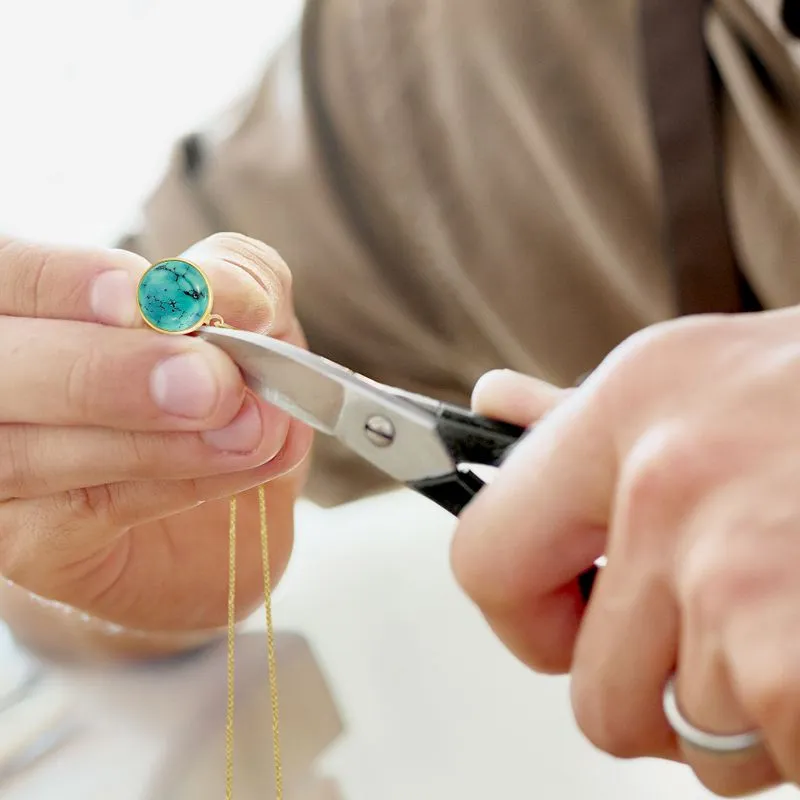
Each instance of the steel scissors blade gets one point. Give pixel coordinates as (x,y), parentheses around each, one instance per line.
(414,439)
(426,444)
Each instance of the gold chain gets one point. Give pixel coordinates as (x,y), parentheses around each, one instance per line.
(231,649)
(217,321)
(272,666)
(273,676)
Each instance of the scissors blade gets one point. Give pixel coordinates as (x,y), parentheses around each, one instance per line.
(340,403)
(306,386)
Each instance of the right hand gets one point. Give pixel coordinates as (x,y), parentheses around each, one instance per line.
(114,438)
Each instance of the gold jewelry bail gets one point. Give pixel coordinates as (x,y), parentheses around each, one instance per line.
(216,321)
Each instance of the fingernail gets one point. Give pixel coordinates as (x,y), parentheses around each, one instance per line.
(184,386)
(113,298)
(243,435)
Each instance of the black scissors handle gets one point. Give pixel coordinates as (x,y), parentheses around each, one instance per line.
(469,439)
(473,439)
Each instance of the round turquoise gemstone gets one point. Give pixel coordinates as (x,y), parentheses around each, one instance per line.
(174,296)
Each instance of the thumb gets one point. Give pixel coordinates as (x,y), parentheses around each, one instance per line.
(513,397)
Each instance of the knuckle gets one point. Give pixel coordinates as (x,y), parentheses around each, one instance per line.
(144,453)
(674,334)
(668,459)
(15,466)
(31,263)
(82,384)
(42,263)
(189,493)
(650,357)
(648,470)
(149,456)
(95,504)
(662,472)
(712,583)
(638,350)
(140,455)
(771,696)
(600,721)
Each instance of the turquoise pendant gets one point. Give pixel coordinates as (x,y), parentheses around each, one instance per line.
(174,296)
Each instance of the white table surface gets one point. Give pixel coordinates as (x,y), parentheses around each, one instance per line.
(422,702)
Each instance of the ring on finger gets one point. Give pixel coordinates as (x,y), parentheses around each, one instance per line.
(699,739)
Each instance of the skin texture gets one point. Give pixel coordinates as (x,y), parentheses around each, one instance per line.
(678,460)
(117,469)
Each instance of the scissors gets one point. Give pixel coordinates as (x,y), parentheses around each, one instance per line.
(423,443)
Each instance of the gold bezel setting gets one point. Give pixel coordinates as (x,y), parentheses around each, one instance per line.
(208,312)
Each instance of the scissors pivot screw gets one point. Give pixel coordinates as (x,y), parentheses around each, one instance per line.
(380,431)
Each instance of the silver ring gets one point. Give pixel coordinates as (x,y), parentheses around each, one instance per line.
(703,740)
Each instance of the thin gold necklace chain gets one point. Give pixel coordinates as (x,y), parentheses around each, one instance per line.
(217,321)
(273,677)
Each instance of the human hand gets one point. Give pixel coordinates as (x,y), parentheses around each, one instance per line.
(677,459)
(120,446)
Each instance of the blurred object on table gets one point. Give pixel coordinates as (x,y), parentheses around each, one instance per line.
(17,669)
(36,718)
(310,723)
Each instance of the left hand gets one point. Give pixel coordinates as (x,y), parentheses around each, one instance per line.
(113,489)
(679,459)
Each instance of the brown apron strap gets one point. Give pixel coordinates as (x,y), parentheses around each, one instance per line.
(681,87)
(790,14)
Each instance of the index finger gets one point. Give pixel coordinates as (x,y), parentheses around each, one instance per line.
(521,544)
(84,285)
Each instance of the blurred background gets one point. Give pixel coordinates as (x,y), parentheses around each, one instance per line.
(95,92)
